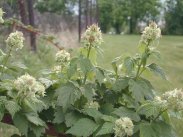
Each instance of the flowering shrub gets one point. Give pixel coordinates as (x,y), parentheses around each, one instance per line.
(79,98)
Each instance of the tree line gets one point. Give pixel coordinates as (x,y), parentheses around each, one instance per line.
(114,16)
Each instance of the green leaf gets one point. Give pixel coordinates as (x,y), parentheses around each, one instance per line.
(33,118)
(157,70)
(156,129)
(21,123)
(128,65)
(59,116)
(140,90)
(120,84)
(72,117)
(146,130)
(84,127)
(67,95)
(110,119)
(125,112)
(85,65)
(87,91)
(149,109)
(107,128)
(12,107)
(37,130)
(93,113)
(99,75)
(8,130)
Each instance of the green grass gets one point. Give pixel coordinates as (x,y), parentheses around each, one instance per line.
(171,48)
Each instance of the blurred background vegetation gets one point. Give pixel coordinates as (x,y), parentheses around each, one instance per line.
(121,21)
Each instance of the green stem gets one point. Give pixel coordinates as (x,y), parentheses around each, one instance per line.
(6,60)
(139,66)
(138,70)
(88,55)
(160,114)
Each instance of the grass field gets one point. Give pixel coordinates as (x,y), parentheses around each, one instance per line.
(171,48)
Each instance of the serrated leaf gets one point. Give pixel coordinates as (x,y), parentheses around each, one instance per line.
(107,118)
(37,130)
(140,90)
(67,95)
(147,131)
(12,107)
(128,65)
(120,84)
(21,123)
(33,118)
(59,116)
(125,112)
(71,118)
(157,70)
(107,128)
(87,91)
(84,127)
(156,129)
(93,113)
(8,130)
(85,65)
(99,75)
(149,109)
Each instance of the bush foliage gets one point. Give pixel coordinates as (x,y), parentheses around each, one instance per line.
(79,98)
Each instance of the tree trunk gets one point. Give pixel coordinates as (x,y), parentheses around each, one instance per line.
(31,22)
(22,11)
(91,12)
(79,20)
(97,11)
(86,14)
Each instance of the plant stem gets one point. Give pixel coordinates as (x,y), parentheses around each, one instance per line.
(139,66)
(5,61)
(138,70)
(88,55)
(160,114)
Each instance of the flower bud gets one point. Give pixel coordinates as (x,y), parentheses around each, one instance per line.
(15,40)
(92,36)
(150,33)
(123,126)
(62,56)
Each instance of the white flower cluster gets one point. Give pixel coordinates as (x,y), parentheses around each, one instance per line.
(92,36)
(1,16)
(15,40)
(160,102)
(174,99)
(28,87)
(57,69)
(123,126)
(62,56)
(150,33)
(93,104)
